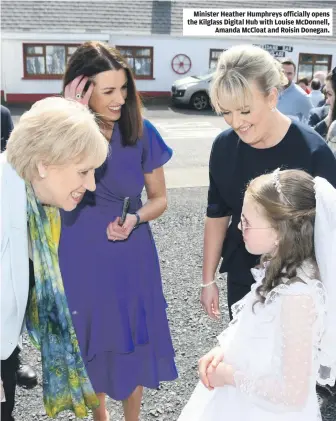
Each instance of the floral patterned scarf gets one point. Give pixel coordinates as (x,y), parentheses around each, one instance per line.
(66,385)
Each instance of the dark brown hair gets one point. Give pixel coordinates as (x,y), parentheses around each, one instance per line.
(94,57)
(292,214)
(289,61)
(315,84)
(331,77)
(304,80)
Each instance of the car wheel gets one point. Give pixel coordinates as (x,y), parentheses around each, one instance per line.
(199,101)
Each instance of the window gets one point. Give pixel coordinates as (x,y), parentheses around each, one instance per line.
(140,59)
(214,56)
(46,61)
(312,63)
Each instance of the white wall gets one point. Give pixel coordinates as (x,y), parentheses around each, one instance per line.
(165,48)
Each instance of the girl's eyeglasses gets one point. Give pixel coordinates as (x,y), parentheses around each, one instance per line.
(245,226)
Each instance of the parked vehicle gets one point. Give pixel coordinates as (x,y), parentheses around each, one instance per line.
(193,91)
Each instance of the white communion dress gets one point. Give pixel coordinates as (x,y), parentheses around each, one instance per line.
(275,354)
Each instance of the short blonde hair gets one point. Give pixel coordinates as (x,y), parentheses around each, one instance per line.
(56,131)
(237,68)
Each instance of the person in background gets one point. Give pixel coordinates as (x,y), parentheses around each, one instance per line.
(331,137)
(49,162)
(260,139)
(321,76)
(293,101)
(316,96)
(6,126)
(304,84)
(323,126)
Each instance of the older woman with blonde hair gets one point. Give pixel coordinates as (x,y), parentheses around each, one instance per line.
(49,164)
(260,139)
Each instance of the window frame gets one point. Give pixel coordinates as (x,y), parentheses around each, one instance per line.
(44,45)
(214,50)
(313,63)
(151,56)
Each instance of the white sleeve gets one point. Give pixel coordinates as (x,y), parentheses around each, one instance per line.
(286,389)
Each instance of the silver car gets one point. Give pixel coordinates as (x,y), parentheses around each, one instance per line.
(193,91)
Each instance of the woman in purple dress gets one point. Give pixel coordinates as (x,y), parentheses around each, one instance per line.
(110,270)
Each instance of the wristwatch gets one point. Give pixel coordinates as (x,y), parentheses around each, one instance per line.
(137,221)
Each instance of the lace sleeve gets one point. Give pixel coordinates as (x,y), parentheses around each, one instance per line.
(286,389)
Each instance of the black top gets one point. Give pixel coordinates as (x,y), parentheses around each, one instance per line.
(6,126)
(322,129)
(317,114)
(233,164)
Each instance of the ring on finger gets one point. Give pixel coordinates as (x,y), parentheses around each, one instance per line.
(78,96)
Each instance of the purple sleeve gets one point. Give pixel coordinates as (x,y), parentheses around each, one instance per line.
(155,152)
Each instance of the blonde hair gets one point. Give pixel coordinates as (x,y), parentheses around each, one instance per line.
(291,212)
(56,131)
(237,68)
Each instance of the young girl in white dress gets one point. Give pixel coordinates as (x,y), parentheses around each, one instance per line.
(282,339)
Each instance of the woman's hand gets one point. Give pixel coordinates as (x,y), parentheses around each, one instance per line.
(209,362)
(210,301)
(117,232)
(74,90)
(129,223)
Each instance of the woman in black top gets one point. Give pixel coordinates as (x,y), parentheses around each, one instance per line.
(330,87)
(245,90)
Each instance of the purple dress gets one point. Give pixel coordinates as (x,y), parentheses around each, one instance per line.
(114,289)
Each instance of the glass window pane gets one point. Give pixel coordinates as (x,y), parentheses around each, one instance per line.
(142,66)
(32,49)
(322,59)
(321,67)
(306,58)
(35,65)
(130,62)
(126,52)
(55,58)
(143,52)
(213,64)
(71,50)
(305,70)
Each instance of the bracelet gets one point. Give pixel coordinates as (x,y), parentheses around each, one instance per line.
(210,283)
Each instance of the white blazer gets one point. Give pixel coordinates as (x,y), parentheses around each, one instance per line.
(14,285)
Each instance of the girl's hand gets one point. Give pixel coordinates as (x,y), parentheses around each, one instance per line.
(210,360)
(221,375)
(74,90)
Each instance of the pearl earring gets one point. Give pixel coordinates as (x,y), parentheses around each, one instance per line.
(273,109)
(42,175)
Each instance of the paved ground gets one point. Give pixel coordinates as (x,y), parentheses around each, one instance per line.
(178,237)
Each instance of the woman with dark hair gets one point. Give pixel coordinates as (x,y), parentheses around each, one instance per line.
(304,84)
(330,90)
(109,264)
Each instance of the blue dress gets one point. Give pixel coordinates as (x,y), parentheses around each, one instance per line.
(114,289)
